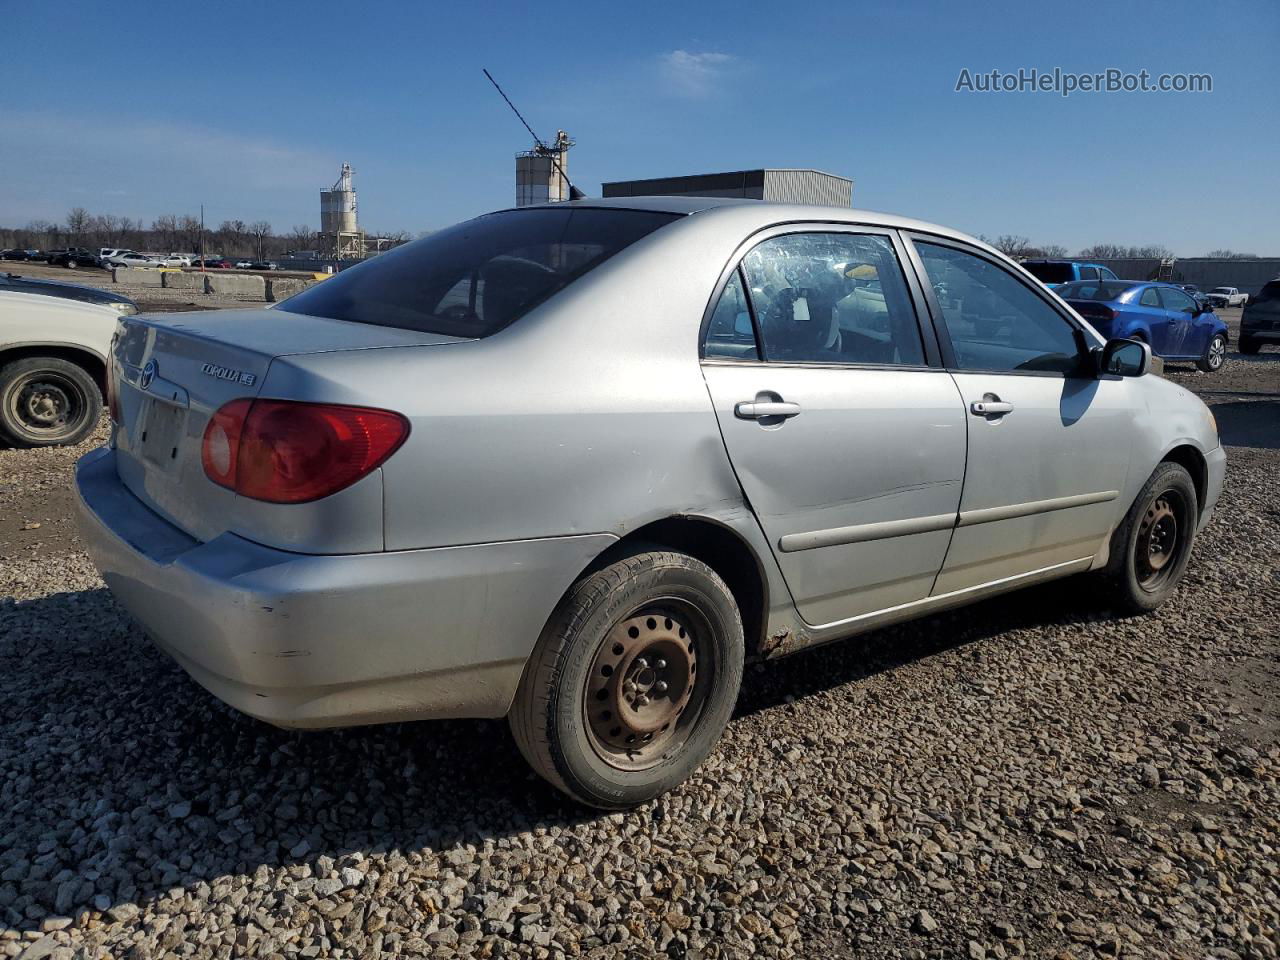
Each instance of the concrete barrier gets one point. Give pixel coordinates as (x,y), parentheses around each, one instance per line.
(281,288)
(177,280)
(236,285)
(140,277)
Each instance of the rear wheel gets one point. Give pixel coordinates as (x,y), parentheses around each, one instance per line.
(1151,547)
(1215,353)
(632,681)
(45,401)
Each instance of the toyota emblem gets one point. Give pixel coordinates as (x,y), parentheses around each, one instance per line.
(148,374)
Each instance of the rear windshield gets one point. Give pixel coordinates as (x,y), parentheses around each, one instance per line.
(475,278)
(1050,272)
(1092,289)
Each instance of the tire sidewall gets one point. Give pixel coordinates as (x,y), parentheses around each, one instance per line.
(14,374)
(576,761)
(1166,477)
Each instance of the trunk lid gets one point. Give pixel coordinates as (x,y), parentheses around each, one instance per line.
(172,371)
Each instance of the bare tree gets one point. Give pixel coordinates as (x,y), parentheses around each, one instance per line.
(301,237)
(189,233)
(77,223)
(1230,255)
(167,227)
(260,230)
(1053,251)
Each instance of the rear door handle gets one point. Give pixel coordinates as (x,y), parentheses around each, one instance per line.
(760,409)
(990,406)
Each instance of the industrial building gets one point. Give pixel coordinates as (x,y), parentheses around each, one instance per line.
(542,174)
(783,186)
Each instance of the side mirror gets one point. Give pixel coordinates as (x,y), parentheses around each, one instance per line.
(1124,358)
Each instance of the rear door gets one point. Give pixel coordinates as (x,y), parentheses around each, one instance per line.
(1048,441)
(848,441)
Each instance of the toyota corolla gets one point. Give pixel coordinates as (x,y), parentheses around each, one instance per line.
(572,464)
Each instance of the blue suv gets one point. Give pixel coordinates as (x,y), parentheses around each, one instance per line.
(1054,272)
(1161,315)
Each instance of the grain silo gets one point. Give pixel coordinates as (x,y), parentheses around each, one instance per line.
(542,174)
(339,231)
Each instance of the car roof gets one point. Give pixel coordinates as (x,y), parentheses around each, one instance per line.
(757,214)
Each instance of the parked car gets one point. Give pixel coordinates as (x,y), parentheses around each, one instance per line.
(1260,322)
(13,283)
(1053,272)
(52,367)
(650,448)
(172,261)
(264,265)
(1227,297)
(106,253)
(73,257)
(132,259)
(1197,294)
(243,264)
(212,263)
(1159,314)
(19,255)
(184,257)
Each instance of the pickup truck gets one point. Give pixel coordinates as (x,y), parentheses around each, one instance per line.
(1054,272)
(1227,297)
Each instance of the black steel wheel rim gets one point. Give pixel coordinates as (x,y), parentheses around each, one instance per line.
(47,405)
(1162,539)
(648,684)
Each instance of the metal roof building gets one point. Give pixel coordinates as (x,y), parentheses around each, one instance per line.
(784,186)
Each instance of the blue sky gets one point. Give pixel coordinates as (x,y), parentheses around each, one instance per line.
(251,108)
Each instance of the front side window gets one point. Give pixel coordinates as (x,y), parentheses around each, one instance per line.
(1176,300)
(996,322)
(475,278)
(832,298)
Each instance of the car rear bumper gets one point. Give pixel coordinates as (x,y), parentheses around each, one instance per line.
(303,640)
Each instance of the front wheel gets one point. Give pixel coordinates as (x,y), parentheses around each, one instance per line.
(632,681)
(46,401)
(1215,353)
(1151,547)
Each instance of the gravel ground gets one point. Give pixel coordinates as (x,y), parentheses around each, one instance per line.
(1026,777)
(147,298)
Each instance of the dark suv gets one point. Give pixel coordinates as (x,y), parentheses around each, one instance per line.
(73,257)
(1260,322)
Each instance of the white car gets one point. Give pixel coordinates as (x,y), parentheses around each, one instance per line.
(184,257)
(1227,297)
(131,259)
(172,261)
(52,368)
(106,253)
(243,264)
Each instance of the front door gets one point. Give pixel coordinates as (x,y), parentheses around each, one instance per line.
(1048,440)
(1184,337)
(849,446)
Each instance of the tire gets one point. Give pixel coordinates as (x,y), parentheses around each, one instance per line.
(1137,584)
(47,401)
(71,264)
(636,630)
(1249,346)
(1215,353)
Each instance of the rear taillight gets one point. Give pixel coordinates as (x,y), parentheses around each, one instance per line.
(113,390)
(284,451)
(1093,311)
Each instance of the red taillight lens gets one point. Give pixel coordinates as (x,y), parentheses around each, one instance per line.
(283,451)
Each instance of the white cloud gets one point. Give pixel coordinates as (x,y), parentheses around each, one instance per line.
(693,75)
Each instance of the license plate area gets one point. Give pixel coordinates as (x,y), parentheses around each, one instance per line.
(161,435)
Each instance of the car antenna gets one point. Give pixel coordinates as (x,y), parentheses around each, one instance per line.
(574,192)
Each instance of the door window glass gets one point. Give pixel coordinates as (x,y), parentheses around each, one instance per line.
(1150,298)
(832,298)
(1176,300)
(730,333)
(994,320)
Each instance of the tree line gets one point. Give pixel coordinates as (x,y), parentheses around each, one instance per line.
(171,233)
(1016,246)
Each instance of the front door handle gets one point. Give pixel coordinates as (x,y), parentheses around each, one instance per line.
(762,409)
(990,406)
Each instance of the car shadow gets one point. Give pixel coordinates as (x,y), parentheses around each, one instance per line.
(1248,423)
(116,768)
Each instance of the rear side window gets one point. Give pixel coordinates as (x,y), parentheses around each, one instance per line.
(832,298)
(1150,298)
(1270,292)
(730,333)
(1050,272)
(475,278)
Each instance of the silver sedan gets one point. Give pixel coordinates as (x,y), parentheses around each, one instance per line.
(573,464)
